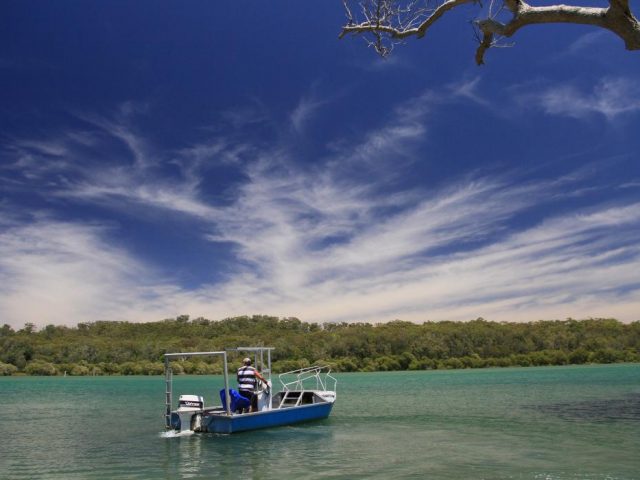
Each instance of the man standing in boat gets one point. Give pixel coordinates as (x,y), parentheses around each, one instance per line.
(248,378)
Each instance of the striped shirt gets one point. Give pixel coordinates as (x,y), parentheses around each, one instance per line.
(247,378)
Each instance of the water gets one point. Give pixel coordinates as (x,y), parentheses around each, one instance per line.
(533,423)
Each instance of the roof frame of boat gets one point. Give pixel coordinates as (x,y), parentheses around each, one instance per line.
(299,379)
(168,374)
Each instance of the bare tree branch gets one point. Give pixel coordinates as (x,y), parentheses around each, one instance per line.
(399,29)
(390,21)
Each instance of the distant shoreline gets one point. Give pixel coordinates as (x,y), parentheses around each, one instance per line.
(26,375)
(123,349)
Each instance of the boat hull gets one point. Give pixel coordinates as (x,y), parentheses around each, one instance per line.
(221,423)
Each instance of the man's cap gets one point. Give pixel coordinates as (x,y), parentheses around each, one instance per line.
(247,361)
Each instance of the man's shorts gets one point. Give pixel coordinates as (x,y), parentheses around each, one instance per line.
(252,397)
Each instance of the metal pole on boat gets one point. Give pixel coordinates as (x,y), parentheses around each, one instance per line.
(168,392)
(226,383)
(269,364)
(271,391)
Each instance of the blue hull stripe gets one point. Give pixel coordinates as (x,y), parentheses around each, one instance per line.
(271,418)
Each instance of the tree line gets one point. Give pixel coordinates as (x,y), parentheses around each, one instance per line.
(124,348)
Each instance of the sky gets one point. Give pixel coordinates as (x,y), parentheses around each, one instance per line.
(216,159)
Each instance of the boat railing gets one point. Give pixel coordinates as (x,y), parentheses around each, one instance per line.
(307,378)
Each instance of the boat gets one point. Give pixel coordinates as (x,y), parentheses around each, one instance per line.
(306,394)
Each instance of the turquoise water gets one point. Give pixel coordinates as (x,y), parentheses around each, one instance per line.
(533,423)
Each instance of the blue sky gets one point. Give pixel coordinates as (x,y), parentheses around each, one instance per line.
(216,159)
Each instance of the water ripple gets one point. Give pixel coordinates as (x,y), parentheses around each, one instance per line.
(622,409)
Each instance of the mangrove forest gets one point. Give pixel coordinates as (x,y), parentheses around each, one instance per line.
(124,348)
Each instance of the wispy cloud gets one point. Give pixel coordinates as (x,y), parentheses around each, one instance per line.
(611,97)
(58,272)
(245,115)
(584,46)
(313,242)
(304,111)
(121,126)
(469,89)
(586,41)
(566,266)
(450,255)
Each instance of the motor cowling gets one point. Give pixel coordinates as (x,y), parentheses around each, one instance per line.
(190,402)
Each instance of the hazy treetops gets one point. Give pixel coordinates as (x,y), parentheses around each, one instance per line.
(137,348)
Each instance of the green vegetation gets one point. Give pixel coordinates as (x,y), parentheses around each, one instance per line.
(122,348)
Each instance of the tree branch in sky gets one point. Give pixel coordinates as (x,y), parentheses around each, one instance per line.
(384,23)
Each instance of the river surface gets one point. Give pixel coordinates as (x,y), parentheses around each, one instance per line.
(514,423)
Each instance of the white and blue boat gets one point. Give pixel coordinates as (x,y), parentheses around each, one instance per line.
(306,394)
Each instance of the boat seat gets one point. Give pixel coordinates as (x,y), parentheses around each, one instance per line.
(237,400)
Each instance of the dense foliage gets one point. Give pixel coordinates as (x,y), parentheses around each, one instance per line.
(107,348)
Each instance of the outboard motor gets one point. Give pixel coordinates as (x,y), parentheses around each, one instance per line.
(190,401)
(190,412)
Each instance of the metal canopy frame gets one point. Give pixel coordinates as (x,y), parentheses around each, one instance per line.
(302,377)
(257,350)
(168,373)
